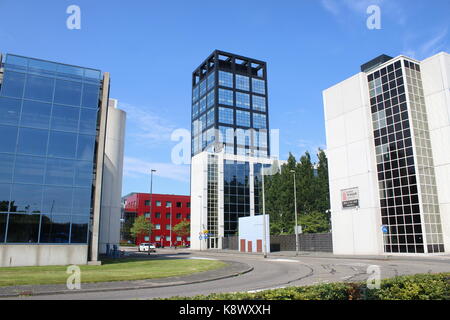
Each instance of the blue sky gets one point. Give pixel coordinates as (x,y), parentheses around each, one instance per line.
(151,48)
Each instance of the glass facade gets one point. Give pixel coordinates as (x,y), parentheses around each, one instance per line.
(408,194)
(48,123)
(236,194)
(236,91)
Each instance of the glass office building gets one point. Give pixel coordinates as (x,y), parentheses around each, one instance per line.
(230,142)
(49,128)
(230,106)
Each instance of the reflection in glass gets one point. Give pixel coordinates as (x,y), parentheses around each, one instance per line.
(59,172)
(65,118)
(9,138)
(3,219)
(62,144)
(55,229)
(23,228)
(5,193)
(90,96)
(39,88)
(13,83)
(81,201)
(35,114)
(68,92)
(57,200)
(79,229)
(85,147)
(32,141)
(83,173)
(6,167)
(9,110)
(26,198)
(88,121)
(29,169)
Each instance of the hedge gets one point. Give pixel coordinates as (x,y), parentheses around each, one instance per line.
(416,287)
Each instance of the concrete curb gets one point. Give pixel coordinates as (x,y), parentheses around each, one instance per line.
(162,285)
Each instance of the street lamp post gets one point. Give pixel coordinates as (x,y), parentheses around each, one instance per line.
(201,222)
(264,213)
(151,206)
(170,230)
(296,223)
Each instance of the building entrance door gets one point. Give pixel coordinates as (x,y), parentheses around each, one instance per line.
(212,243)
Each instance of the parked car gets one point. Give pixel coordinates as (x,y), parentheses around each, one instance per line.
(146,247)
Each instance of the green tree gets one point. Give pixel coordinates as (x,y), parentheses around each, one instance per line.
(314,222)
(141,227)
(312,191)
(183,228)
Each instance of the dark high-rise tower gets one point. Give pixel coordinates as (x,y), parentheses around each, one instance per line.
(230,106)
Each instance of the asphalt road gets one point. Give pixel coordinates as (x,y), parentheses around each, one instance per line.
(274,272)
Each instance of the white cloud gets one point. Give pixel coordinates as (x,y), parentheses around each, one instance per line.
(147,126)
(433,45)
(134,168)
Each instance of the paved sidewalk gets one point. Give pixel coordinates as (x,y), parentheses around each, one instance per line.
(231,270)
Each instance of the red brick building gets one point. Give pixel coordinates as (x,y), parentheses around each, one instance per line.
(166,212)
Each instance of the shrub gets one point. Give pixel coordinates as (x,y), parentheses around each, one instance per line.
(416,287)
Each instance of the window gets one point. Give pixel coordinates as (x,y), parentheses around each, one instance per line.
(202,88)
(36,114)
(146,238)
(188,204)
(29,169)
(243,118)
(167,226)
(61,172)
(158,203)
(210,117)
(32,141)
(188,216)
(68,92)
(13,84)
(9,110)
(65,118)
(179,216)
(226,134)
(167,238)
(146,202)
(259,121)
(157,227)
(242,100)
(88,121)
(188,238)
(226,79)
(211,81)
(179,238)
(178,204)
(157,238)
(63,144)
(168,215)
(243,137)
(259,103)
(195,110)
(210,99)
(258,86)
(242,83)
(147,215)
(9,138)
(226,115)
(39,88)
(168,204)
(202,104)
(85,150)
(158,215)
(89,98)
(195,94)
(226,97)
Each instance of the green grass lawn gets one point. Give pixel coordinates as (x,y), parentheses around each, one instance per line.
(110,270)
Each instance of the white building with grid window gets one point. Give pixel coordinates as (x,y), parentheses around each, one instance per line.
(388,130)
